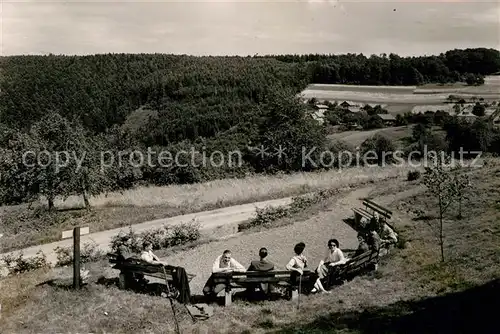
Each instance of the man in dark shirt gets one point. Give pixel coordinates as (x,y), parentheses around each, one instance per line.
(261,265)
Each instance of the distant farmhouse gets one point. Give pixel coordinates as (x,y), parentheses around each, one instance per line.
(433,108)
(321,106)
(318,113)
(388,119)
(467,115)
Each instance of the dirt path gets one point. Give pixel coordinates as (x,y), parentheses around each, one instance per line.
(314,232)
(207,219)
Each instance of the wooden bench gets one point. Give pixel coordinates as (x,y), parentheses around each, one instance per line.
(132,266)
(368,203)
(354,266)
(244,279)
(360,214)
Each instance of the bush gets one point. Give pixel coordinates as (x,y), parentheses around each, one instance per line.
(381,146)
(413,175)
(19,264)
(130,240)
(267,215)
(183,234)
(90,252)
(163,237)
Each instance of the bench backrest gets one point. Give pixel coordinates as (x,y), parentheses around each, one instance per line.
(378,208)
(357,262)
(362,213)
(273,276)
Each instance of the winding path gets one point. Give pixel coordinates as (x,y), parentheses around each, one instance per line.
(208,220)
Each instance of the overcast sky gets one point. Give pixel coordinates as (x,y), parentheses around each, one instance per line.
(247,27)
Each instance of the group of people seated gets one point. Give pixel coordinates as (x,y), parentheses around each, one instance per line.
(372,236)
(298,263)
(375,233)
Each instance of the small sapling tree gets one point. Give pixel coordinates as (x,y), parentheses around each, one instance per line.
(440,183)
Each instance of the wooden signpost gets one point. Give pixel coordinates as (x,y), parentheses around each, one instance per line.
(76,233)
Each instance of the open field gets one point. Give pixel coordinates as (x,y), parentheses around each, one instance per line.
(401,96)
(356,88)
(355,138)
(23,228)
(412,292)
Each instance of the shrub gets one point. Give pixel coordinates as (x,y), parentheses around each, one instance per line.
(157,237)
(88,253)
(183,234)
(413,175)
(379,145)
(267,215)
(19,264)
(163,237)
(130,240)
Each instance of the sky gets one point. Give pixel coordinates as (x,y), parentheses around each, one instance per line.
(237,27)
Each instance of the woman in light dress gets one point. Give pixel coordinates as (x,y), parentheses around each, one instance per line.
(333,258)
(299,262)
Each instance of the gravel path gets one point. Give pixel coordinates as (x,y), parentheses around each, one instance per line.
(314,232)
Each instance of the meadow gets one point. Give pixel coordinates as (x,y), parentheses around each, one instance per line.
(428,94)
(23,228)
(411,292)
(355,138)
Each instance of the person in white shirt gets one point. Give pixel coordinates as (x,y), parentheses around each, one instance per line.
(148,255)
(223,264)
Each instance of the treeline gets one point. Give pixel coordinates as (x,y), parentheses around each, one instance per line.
(469,65)
(124,103)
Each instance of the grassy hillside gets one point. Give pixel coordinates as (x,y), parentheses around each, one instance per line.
(412,292)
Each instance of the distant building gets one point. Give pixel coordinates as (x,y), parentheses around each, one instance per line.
(354,109)
(321,106)
(388,119)
(448,108)
(467,115)
(345,104)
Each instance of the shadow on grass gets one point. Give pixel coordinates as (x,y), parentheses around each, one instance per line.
(470,311)
(351,222)
(61,283)
(424,218)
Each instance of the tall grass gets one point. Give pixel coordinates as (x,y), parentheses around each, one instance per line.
(234,191)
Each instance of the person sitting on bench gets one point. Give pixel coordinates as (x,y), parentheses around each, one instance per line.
(334,257)
(386,233)
(122,253)
(261,265)
(299,262)
(362,246)
(148,255)
(223,264)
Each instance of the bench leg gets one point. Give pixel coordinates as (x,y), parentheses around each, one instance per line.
(295,294)
(122,281)
(227,297)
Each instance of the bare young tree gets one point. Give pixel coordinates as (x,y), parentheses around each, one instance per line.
(461,184)
(440,183)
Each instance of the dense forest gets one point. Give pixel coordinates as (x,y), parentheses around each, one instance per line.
(125,102)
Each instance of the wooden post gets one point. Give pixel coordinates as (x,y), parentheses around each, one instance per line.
(76,258)
(76,233)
